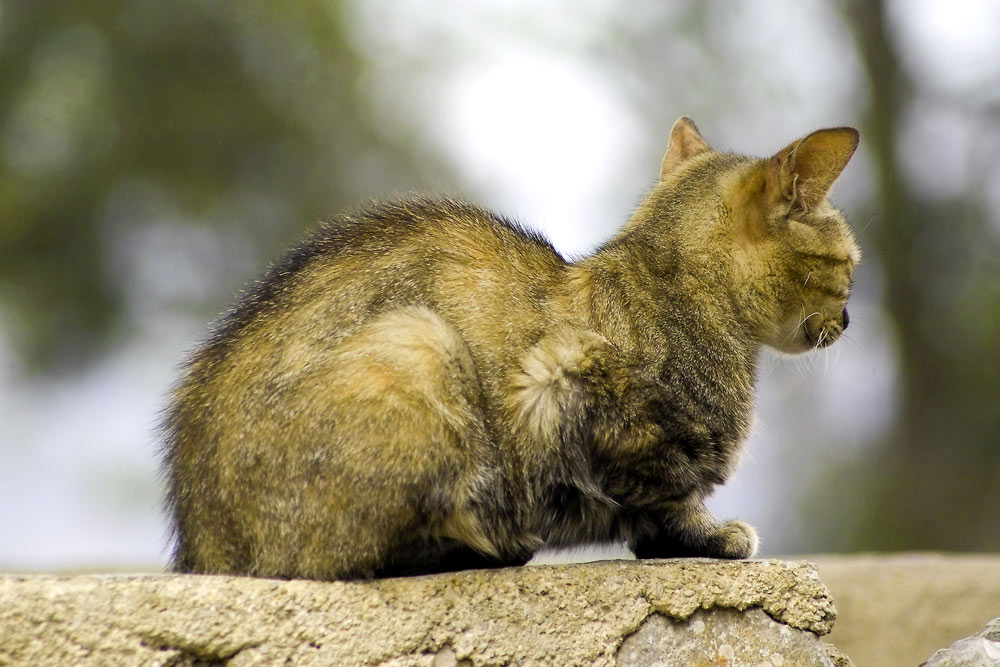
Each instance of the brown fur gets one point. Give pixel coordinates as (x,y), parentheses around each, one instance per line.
(425,386)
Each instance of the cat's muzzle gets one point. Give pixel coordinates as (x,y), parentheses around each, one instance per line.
(822,332)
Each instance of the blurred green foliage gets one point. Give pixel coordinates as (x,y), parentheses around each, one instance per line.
(204,101)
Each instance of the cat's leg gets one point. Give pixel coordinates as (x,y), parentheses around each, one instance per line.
(388,464)
(688,529)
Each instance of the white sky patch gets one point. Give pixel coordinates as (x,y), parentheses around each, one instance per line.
(937,148)
(794,71)
(539,134)
(953,46)
(78,460)
(508,92)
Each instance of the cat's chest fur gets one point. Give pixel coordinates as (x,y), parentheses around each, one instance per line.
(681,396)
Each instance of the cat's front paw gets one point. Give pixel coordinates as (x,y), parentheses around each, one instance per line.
(733,539)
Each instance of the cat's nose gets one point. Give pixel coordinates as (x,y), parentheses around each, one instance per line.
(847,318)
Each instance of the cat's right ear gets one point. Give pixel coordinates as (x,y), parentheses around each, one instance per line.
(685,143)
(804,172)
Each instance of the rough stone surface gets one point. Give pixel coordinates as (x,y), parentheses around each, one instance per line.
(724,637)
(898,609)
(561,615)
(838,657)
(980,650)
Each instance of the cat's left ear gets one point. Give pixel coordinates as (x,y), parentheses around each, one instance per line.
(805,170)
(685,143)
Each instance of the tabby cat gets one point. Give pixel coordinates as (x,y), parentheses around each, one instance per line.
(426,386)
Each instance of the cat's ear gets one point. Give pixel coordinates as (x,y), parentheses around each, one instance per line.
(685,143)
(805,170)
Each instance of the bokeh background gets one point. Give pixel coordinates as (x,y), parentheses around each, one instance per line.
(154,155)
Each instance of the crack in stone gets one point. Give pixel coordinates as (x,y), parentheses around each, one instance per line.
(194,655)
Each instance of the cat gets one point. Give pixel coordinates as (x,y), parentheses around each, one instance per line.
(425,386)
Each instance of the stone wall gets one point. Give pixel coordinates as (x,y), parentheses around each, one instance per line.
(898,609)
(674,612)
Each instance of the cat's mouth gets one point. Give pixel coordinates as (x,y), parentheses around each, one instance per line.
(820,331)
(812,331)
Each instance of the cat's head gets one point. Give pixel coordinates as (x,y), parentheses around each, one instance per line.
(791,253)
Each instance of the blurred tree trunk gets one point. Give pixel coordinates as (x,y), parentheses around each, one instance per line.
(932,481)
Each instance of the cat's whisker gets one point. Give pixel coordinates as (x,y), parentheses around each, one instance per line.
(770,364)
(803,364)
(851,339)
(799,325)
(819,340)
(811,362)
(806,318)
(826,365)
(862,327)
